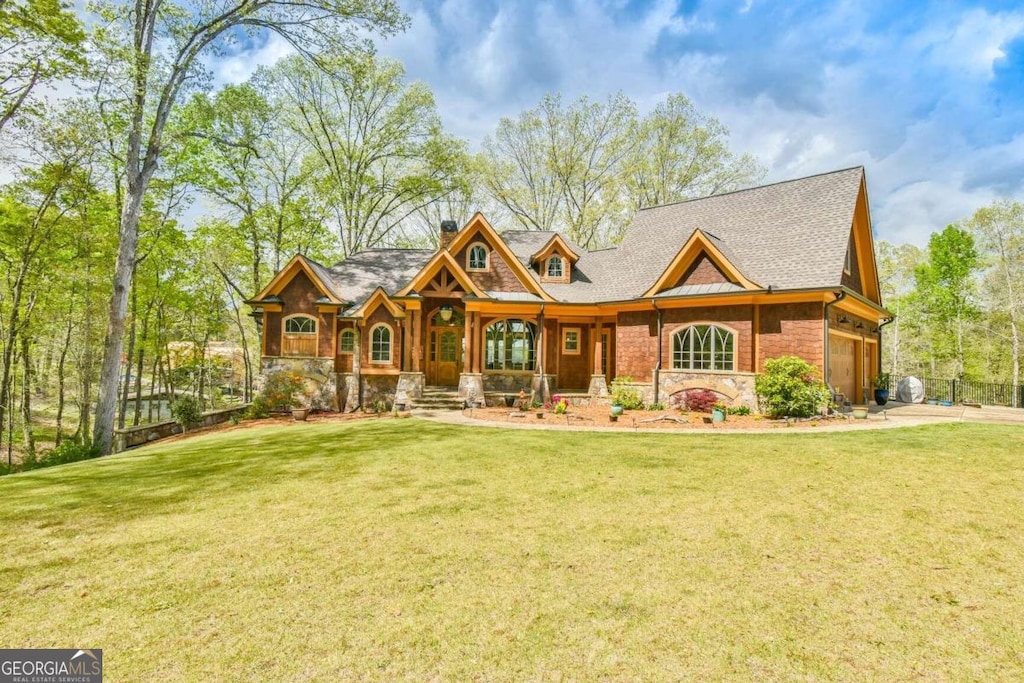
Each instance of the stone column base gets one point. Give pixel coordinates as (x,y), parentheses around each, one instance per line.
(598,386)
(410,387)
(542,387)
(348,391)
(471,387)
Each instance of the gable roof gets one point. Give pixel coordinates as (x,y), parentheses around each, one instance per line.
(316,273)
(789,235)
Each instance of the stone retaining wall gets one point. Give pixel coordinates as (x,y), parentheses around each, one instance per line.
(130,437)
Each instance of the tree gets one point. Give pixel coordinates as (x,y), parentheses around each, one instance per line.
(945,284)
(999,230)
(683,153)
(583,168)
(40,40)
(903,337)
(153,53)
(379,152)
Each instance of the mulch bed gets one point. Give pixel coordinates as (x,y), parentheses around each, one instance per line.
(585,416)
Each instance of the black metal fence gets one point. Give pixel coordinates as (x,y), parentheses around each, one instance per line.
(967,391)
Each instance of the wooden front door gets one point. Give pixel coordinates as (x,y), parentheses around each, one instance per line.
(843,366)
(444,358)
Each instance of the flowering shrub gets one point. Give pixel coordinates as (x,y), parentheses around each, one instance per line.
(700,400)
(624,395)
(283,391)
(558,405)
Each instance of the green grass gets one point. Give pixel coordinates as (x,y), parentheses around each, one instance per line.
(402,550)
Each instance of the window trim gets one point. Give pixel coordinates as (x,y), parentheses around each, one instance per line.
(469,258)
(391,344)
(530,367)
(566,331)
(711,324)
(349,332)
(547,267)
(296,316)
(848,264)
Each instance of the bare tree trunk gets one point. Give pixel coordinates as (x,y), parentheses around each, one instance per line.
(27,436)
(62,380)
(123,407)
(106,405)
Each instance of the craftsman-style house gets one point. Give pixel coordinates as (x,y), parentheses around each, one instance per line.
(697,294)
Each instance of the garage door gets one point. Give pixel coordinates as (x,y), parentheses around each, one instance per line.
(842,364)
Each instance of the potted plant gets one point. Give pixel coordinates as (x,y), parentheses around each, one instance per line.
(617,410)
(881,383)
(860,412)
(300,413)
(539,407)
(718,412)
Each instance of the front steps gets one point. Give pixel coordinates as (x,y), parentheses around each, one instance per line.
(439,398)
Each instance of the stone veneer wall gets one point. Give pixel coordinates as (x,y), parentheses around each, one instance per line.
(734,388)
(321,386)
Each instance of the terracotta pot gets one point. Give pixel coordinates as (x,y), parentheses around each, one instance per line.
(300,414)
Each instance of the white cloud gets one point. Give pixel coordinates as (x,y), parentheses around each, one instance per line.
(976,42)
(240,66)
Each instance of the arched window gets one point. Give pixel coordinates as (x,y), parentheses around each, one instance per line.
(347,341)
(555,267)
(300,324)
(477,257)
(380,344)
(511,345)
(703,347)
(298,339)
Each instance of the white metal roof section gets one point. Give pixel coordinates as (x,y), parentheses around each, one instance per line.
(512,296)
(697,290)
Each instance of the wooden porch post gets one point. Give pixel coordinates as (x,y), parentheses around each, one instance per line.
(477,342)
(416,334)
(469,344)
(406,343)
(598,345)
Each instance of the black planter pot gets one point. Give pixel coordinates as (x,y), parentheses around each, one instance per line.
(881,396)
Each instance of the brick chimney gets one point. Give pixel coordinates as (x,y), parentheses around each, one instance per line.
(448,230)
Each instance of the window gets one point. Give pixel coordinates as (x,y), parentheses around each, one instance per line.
(300,324)
(380,344)
(347,341)
(703,347)
(848,266)
(571,341)
(298,339)
(511,345)
(477,257)
(555,267)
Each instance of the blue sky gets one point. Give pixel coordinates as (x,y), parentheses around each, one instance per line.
(929,97)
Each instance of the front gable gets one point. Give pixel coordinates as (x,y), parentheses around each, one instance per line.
(298,264)
(700,262)
(377,299)
(505,273)
(557,249)
(442,276)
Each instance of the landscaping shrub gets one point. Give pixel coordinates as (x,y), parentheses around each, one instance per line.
(790,387)
(283,391)
(656,406)
(259,408)
(738,410)
(700,400)
(625,396)
(187,411)
(68,451)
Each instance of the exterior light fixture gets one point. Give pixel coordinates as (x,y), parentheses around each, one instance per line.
(257,316)
(446,312)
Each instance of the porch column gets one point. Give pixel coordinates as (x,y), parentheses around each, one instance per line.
(466,366)
(406,342)
(597,331)
(477,342)
(415,340)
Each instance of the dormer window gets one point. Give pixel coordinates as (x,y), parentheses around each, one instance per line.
(477,257)
(556,267)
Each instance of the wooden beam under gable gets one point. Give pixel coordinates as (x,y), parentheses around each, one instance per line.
(698,243)
(441,262)
(864,244)
(478,226)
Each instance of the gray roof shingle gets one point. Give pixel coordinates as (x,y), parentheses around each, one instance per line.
(787,235)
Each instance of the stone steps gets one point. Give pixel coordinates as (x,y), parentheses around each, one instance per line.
(439,398)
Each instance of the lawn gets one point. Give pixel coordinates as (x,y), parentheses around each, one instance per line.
(403,550)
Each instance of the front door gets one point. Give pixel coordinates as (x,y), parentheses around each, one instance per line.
(444,359)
